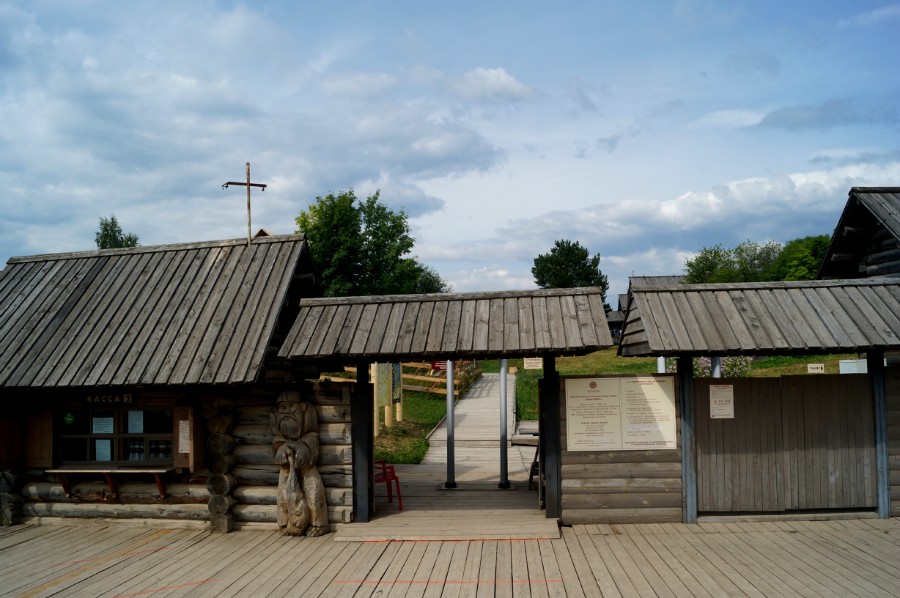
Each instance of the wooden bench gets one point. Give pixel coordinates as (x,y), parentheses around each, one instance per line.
(63,473)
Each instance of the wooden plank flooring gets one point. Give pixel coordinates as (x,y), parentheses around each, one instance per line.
(477,509)
(470,542)
(820,558)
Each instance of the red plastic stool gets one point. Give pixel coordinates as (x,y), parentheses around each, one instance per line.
(385,473)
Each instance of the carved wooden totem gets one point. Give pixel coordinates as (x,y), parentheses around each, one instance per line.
(301,494)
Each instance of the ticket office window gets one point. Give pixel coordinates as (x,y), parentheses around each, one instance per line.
(116,437)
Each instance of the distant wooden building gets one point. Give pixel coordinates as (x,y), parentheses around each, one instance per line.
(866,241)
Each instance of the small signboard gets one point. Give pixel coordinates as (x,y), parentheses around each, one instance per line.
(815,368)
(533,363)
(721,401)
(440,366)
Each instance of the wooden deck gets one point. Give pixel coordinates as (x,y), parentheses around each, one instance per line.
(474,541)
(477,508)
(822,558)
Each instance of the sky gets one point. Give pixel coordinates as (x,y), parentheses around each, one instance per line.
(645,131)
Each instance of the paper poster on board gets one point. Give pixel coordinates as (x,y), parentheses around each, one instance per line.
(608,414)
(721,401)
(648,421)
(593,414)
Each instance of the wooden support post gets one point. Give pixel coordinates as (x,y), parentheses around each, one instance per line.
(549,406)
(361,412)
(688,439)
(875,363)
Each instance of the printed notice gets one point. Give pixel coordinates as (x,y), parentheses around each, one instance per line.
(102,425)
(609,414)
(103,449)
(721,401)
(593,414)
(648,421)
(135,422)
(184,436)
(533,363)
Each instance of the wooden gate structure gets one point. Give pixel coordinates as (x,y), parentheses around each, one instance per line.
(799,444)
(796,443)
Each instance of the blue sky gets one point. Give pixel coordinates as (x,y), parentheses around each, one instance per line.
(645,131)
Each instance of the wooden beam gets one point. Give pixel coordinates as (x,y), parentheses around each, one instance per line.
(551,451)
(875,363)
(363,441)
(688,439)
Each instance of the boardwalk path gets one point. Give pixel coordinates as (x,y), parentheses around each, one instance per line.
(477,508)
(825,558)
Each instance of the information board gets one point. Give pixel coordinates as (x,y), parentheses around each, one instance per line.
(611,414)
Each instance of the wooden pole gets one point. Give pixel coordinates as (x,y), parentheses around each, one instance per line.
(549,404)
(248,205)
(361,411)
(688,439)
(875,363)
(248,184)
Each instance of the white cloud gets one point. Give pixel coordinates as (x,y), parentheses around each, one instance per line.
(362,85)
(873,17)
(490,84)
(730,119)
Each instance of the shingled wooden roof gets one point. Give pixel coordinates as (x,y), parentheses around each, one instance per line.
(453,325)
(170,314)
(763,318)
(866,241)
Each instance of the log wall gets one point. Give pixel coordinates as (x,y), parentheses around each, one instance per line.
(256,474)
(620,486)
(892,380)
(234,488)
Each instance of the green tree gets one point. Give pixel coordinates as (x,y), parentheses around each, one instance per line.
(111,236)
(801,258)
(748,262)
(361,247)
(569,265)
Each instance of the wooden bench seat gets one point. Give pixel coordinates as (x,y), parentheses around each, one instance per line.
(110,473)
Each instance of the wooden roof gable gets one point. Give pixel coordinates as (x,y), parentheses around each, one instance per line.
(170,314)
(866,241)
(452,326)
(764,317)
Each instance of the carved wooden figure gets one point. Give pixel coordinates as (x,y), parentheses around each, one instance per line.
(301,494)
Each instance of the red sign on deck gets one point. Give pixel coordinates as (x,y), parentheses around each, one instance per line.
(439,365)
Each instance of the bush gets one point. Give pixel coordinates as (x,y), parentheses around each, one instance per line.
(736,366)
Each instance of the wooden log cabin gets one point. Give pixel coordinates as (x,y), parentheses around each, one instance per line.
(137,383)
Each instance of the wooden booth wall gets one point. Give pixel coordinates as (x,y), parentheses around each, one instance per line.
(797,443)
(630,486)
(892,377)
(233,487)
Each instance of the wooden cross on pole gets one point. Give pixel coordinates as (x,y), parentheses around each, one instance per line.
(248,184)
